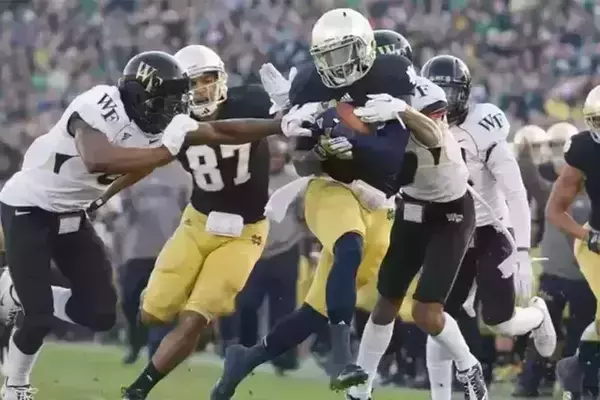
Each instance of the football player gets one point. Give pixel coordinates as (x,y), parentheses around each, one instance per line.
(347,202)
(42,206)
(580,172)
(207,261)
(481,130)
(431,233)
(530,147)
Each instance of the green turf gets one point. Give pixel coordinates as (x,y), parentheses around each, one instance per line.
(93,373)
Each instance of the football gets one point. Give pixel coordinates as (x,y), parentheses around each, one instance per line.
(345,112)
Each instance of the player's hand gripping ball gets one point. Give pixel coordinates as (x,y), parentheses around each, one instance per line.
(340,121)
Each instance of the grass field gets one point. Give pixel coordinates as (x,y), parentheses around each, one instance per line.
(78,372)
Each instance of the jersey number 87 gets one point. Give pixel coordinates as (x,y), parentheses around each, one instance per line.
(204,163)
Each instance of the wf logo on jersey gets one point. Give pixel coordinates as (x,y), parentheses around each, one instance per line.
(146,75)
(492,121)
(455,217)
(109,108)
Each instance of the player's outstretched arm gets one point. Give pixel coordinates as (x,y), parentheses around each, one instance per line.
(567,186)
(101,156)
(422,127)
(118,185)
(233,131)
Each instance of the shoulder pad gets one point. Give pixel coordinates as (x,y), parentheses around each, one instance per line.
(101,107)
(248,101)
(394,74)
(428,96)
(577,150)
(486,124)
(307,87)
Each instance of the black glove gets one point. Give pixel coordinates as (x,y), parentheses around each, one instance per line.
(593,241)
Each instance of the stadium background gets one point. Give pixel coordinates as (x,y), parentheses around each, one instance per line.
(537,59)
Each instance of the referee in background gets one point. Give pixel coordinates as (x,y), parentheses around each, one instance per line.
(149,213)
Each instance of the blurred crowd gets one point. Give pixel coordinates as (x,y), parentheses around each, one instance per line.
(535,58)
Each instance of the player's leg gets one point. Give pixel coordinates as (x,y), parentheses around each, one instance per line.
(169,287)
(498,296)
(249,301)
(570,371)
(28,237)
(92,299)
(335,217)
(554,293)
(445,251)
(134,277)
(282,298)
(438,358)
(582,308)
(288,333)
(224,273)
(401,263)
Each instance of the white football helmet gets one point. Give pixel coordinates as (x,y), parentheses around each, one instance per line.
(208,78)
(591,113)
(343,47)
(558,134)
(536,138)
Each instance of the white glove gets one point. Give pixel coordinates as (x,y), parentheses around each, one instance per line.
(276,85)
(523,277)
(175,133)
(291,123)
(339,147)
(380,108)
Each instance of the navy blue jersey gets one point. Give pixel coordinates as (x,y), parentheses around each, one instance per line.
(233,178)
(377,158)
(583,153)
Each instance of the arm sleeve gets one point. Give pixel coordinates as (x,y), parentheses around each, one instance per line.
(505,169)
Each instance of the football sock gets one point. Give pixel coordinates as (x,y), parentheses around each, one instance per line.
(439,370)
(523,321)
(451,338)
(293,330)
(61,296)
(19,365)
(375,341)
(147,379)
(340,293)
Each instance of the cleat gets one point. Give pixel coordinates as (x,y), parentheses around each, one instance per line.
(473,383)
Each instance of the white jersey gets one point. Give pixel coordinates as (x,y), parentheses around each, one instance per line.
(441,175)
(53,176)
(493,170)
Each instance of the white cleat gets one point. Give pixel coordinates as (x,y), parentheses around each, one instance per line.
(9,301)
(544,336)
(17,392)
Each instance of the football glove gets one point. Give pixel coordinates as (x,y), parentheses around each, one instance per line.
(175,133)
(299,119)
(593,241)
(276,86)
(380,108)
(339,147)
(523,277)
